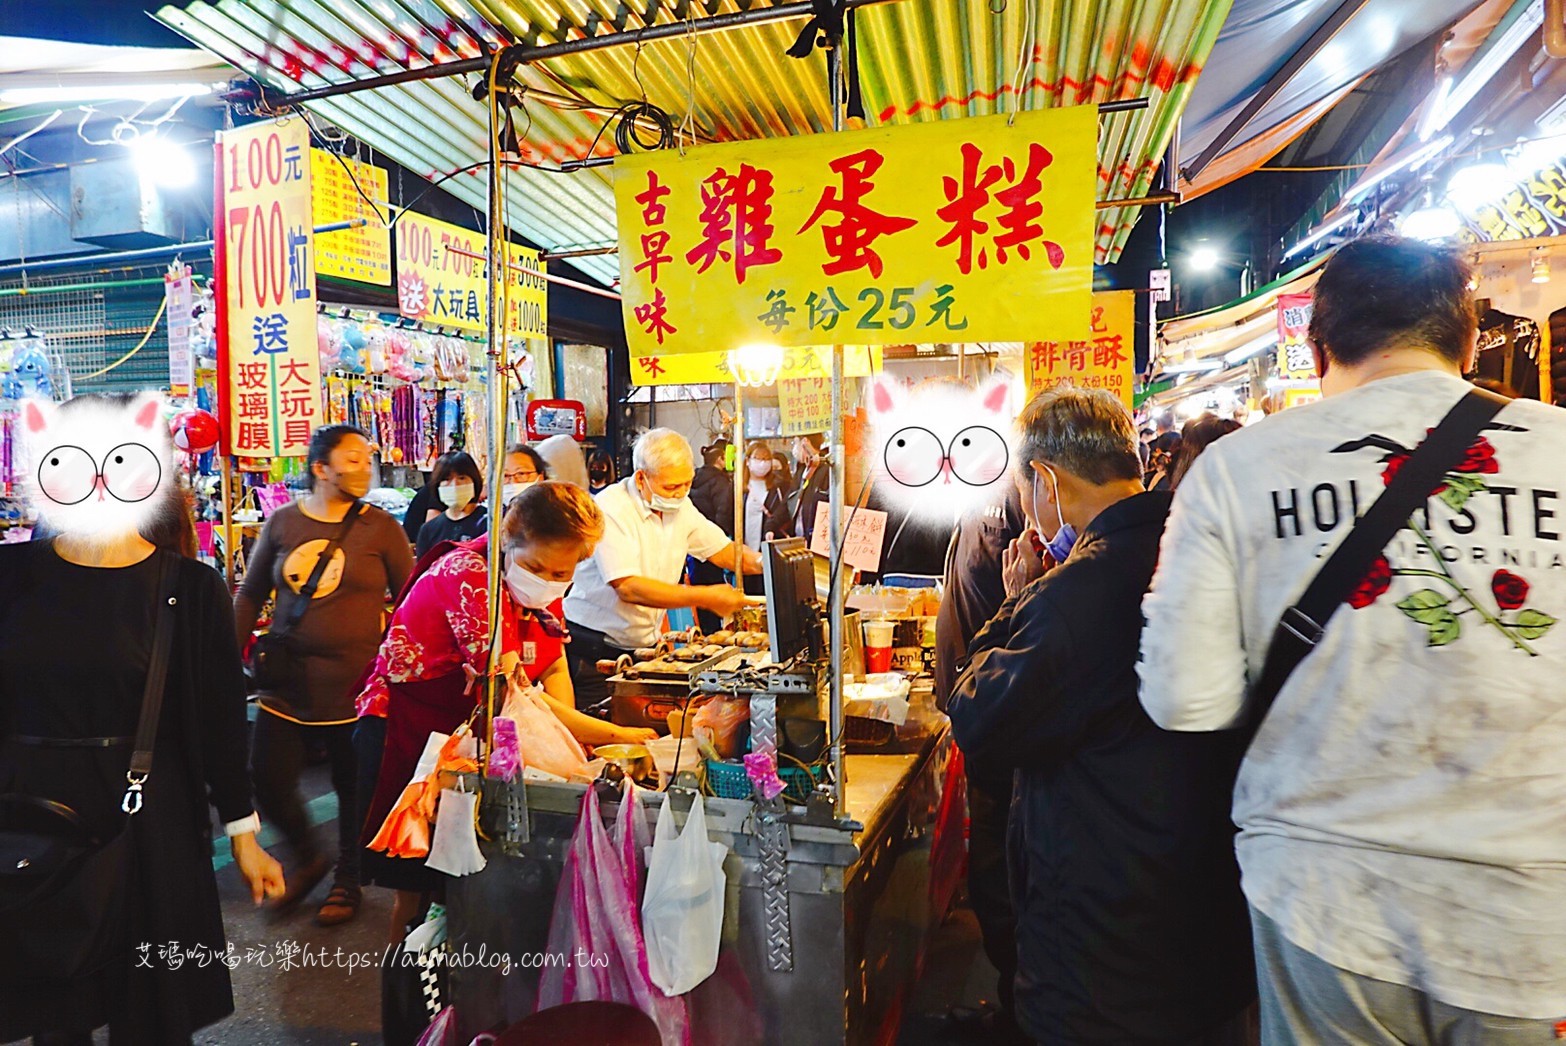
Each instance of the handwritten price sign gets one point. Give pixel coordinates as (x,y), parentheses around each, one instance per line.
(862,545)
(805,405)
(269,359)
(959,230)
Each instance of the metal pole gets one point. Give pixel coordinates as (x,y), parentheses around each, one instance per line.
(836,467)
(226,490)
(739,483)
(523,54)
(496,355)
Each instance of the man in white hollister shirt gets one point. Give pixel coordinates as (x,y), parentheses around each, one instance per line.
(1402,810)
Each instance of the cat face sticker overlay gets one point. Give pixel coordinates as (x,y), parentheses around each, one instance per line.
(939,447)
(96,465)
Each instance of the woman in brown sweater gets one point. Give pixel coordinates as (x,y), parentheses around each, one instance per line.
(333,642)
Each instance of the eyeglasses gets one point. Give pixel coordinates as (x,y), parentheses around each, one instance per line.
(522,477)
(977,456)
(68,475)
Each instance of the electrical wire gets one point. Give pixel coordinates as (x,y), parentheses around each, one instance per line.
(151,330)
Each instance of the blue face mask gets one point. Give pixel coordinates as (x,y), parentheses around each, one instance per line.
(1065,537)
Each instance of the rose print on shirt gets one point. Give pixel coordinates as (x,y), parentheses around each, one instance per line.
(1441,607)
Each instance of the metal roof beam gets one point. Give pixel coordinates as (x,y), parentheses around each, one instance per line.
(1279,80)
(525,54)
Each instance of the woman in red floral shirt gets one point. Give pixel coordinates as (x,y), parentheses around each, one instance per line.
(438,645)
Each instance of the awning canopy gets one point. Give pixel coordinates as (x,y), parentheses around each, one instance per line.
(918,60)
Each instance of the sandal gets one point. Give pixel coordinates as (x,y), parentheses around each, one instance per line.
(341,905)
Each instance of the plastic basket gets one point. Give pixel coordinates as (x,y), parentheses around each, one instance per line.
(728,780)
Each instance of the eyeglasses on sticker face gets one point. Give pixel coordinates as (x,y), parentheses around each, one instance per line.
(68,474)
(915,457)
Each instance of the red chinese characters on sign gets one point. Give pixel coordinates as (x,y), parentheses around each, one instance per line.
(736,220)
(654,212)
(654,317)
(858,226)
(976,193)
(1108,351)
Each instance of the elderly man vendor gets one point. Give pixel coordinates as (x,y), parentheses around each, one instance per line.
(621,593)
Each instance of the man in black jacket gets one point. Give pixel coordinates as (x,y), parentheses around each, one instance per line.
(1131,927)
(712,492)
(810,492)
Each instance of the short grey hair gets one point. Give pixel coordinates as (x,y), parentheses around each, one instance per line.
(658,449)
(1087,432)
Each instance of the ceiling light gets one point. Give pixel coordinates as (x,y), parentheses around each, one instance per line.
(1477,184)
(1541,266)
(1434,108)
(161,161)
(756,365)
(1320,234)
(1251,348)
(1203,259)
(1412,160)
(1431,222)
(101,93)
(1206,366)
(1499,50)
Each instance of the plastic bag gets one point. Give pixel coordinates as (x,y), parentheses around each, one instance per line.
(454,849)
(595,925)
(723,722)
(542,739)
(442,1030)
(682,913)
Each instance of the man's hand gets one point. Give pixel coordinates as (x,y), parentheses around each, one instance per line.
(1021,564)
(257,868)
(752,561)
(726,601)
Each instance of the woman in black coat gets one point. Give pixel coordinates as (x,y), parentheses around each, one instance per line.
(76,631)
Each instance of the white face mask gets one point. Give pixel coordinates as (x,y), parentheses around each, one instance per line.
(456,495)
(659,503)
(531,591)
(511,490)
(760,468)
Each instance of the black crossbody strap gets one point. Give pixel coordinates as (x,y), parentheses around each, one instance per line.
(157,674)
(1303,624)
(296,612)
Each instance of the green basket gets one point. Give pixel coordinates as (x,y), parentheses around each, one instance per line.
(728,780)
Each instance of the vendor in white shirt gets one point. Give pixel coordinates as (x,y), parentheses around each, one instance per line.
(650,526)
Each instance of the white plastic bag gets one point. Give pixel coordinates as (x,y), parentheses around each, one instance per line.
(543,740)
(682,911)
(455,849)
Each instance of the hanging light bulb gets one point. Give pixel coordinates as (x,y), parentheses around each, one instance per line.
(756,365)
(1431,222)
(1541,266)
(1478,184)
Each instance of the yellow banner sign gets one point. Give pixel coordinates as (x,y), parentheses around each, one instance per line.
(362,254)
(804,405)
(952,230)
(442,279)
(269,361)
(1105,359)
(712,368)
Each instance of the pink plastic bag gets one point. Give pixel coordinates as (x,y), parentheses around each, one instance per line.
(442,1030)
(596,927)
(543,740)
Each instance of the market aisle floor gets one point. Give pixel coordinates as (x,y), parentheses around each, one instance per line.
(331,1005)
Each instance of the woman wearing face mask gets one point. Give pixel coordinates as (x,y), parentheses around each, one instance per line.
(331,644)
(438,645)
(461,488)
(766,505)
(523,467)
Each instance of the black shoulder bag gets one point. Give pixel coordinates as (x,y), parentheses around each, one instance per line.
(1302,625)
(64,892)
(273,665)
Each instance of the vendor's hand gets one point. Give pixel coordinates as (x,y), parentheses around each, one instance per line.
(257,868)
(726,602)
(634,735)
(1021,564)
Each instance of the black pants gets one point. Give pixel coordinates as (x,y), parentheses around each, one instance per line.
(276,758)
(989,890)
(583,653)
(703,573)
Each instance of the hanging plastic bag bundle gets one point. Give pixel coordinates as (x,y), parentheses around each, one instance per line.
(455,849)
(595,924)
(542,739)
(406,830)
(682,912)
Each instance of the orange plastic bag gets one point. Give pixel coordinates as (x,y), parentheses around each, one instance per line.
(406,830)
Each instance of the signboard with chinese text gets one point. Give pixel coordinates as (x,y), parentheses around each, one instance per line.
(1295,361)
(952,230)
(269,387)
(1531,207)
(862,545)
(711,368)
(442,279)
(804,405)
(1102,360)
(178,301)
(362,254)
